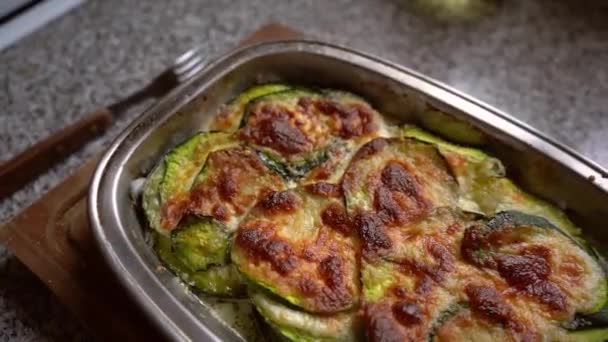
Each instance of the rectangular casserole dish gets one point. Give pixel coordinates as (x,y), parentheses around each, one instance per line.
(539,165)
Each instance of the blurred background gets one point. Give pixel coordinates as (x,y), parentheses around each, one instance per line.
(543,61)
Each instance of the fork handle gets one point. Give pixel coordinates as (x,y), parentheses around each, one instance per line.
(29,164)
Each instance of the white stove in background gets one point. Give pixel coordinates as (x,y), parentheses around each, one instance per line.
(19,18)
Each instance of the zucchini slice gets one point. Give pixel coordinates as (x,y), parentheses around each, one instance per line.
(352,117)
(488,316)
(301,326)
(483,185)
(297,244)
(185,161)
(296,127)
(398,180)
(231,182)
(229,118)
(197,253)
(413,282)
(292,140)
(181,165)
(589,335)
(539,261)
(451,127)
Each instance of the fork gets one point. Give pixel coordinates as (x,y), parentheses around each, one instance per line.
(33,161)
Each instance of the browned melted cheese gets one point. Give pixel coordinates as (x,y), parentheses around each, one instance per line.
(487,303)
(324,189)
(309,124)
(401,317)
(318,267)
(277,128)
(399,197)
(335,216)
(260,245)
(527,273)
(233,180)
(382,326)
(424,257)
(400,211)
(277,202)
(372,233)
(370,148)
(347,120)
(429,275)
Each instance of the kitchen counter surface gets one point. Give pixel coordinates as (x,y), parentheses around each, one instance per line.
(542,61)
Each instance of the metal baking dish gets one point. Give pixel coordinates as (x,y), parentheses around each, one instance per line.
(538,164)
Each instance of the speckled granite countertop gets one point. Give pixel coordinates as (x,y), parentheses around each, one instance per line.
(542,61)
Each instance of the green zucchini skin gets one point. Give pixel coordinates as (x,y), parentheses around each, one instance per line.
(199,243)
(184,162)
(589,335)
(291,324)
(218,279)
(451,127)
(167,188)
(230,117)
(595,320)
(296,169)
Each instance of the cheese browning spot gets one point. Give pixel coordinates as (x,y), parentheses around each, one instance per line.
(370,148)
(331,270)
(260,245)
(335,216)
(350,120)
(371,231)
(396,178)
(529,273)
(430,274)
(407,313)
(279,202)
(488,303)
(381,325)
(270,126)
(324,189)
(173,211)
(227,185)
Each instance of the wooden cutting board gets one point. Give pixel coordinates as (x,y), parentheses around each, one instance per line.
(53,239)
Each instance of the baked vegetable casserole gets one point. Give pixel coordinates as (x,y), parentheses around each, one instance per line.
(338,226)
